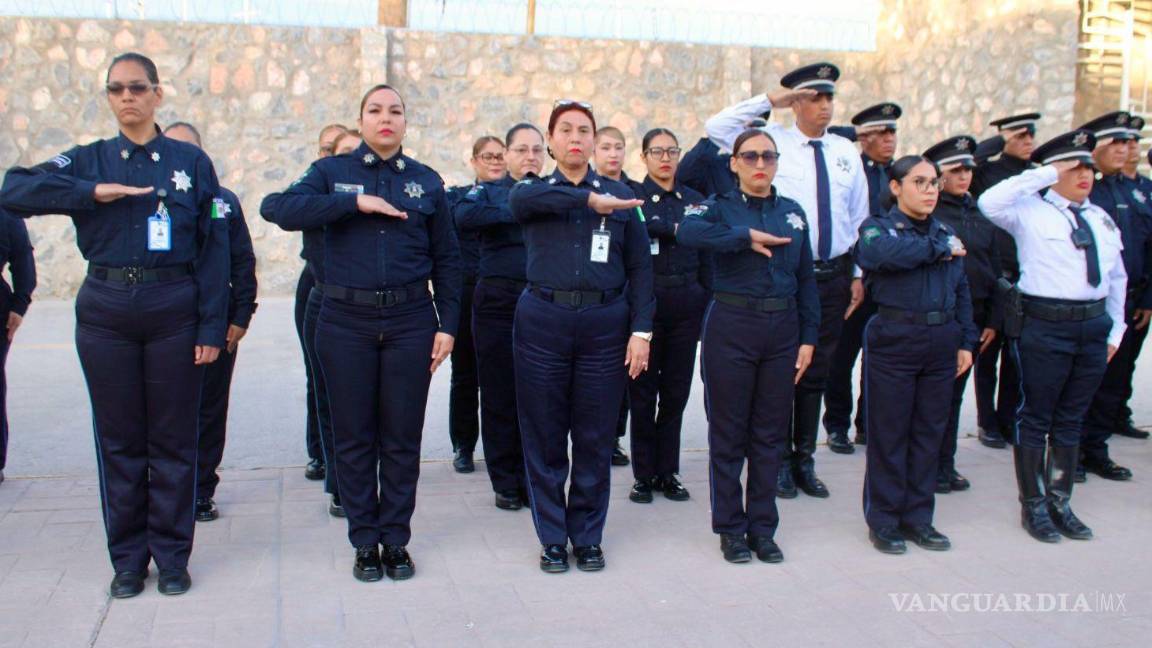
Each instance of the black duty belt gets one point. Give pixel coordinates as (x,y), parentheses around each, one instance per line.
(575,298)
(379,298)
(931,318)
(504,282)
(137,275)
(832,268)
(672,281)
(1051,311)
(760,304)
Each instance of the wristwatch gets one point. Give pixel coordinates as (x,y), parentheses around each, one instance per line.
(646,336)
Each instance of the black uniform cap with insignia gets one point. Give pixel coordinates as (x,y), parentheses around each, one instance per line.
(1016,122)
(820,77)
(952,151)
(1136,126)
(1110,126)
(881,117)
(1074,145)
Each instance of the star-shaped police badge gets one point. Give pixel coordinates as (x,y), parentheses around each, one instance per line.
(824,72)
(155,156)
(1139,196)
(961,144)
(182,181)
(795,221)
(369,158)
(400,165)
(413,189)
(123,154)
(1081,139)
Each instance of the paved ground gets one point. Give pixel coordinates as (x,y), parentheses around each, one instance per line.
(275,569)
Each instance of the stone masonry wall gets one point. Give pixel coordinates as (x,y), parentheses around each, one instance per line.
(260,94)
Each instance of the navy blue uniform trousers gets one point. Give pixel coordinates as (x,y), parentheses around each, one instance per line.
(1061,364)
(312,428)
(319,390)
(748,360)
(980,314)
(213,421)
(3,390)
(493,312)
(570,377)
(909,371)
(658,396)
(838,395)
(996,410)
(463,395)
(1109,410)
(136,345)
(376,370)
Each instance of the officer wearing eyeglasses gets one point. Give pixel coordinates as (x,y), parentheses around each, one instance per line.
(152,313)
(823,172)
(1073,284)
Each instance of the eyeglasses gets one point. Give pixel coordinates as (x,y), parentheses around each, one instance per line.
(672,152)
(489,158)
(523,150)
(924,184)
(750,157)
(137,89)
(560,103)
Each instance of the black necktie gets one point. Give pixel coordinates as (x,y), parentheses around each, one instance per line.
(1090,251)
(823,202)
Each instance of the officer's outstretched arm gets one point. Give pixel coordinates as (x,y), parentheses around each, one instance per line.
(485,205)
(48,188)
(307,204)
(702,228)
(534,199)
(882,250)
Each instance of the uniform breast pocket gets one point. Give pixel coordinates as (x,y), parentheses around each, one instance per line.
(420,211)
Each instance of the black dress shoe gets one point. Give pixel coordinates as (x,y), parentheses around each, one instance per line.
(1107,469)
(957,481)
(887,540)
(838,442)
(785,487)
(397,563)
(173,581)
(927,537)
(553,559)
(991,438)
(943,484)
(641,492)
(509,500)
(335,508)
(1128,429)
(807,481)
(367,567)
(765,548)
(126,584)
(860,438)
(206,509)
(1035,519)
(673,489)
(315,470)
(462,462)
(618,456)
(735,548)
(590,558)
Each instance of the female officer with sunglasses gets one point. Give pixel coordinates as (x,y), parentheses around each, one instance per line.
(582,326)
(151,313)
(764,282)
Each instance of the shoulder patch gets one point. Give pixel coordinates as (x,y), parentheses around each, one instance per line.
(301,178)
(695,210)
(870,233)
(61,161)
(220,208)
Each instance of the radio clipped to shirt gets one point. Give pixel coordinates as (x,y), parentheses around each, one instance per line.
(160,229)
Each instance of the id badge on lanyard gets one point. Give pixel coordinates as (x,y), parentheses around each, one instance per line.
(160,230)
(601,242)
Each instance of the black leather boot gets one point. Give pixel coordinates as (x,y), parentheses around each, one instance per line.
(1030,481)
(1061,468)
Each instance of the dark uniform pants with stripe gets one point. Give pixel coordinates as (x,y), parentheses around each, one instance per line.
(3,391)
(1109,410)
(996,410)
(838,400)
(463,395)
(493,312)
(319,390)
(213,421)
(980,314)
(312,426)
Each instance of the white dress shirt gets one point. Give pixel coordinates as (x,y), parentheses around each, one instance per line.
(796,171)
(1050,264)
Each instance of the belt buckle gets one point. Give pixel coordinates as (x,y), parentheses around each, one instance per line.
(934,318)
(576,298)
(385,298)
(133,275)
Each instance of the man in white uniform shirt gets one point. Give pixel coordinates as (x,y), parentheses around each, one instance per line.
(823,173)
(1073,284)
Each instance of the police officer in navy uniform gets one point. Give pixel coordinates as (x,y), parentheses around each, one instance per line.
(16,254)
(484,211)
(1120,198)
(583,326)
(996,410)
(218,375)
(1142,197)
(874,129)
(957,209)
(318,424)
(920,339)
(488,164)
(759,335)
(705,167)
(823,172)
(680,277)
(151,314)
(387,232)
(1072,284)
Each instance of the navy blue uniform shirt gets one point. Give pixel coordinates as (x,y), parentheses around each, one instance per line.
(877,175)
(115,234)
(911,268)
(469,241)
(372,251)
(1118,195)
(16,253)
(558,224)
(721,225)
(705,168)
(979,235)
(242,275)
(485,212)
(663,211)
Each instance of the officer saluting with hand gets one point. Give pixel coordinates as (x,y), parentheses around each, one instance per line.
(1072,285)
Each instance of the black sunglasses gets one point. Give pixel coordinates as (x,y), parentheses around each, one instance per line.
(750,157)
(560,103)
(137,89)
